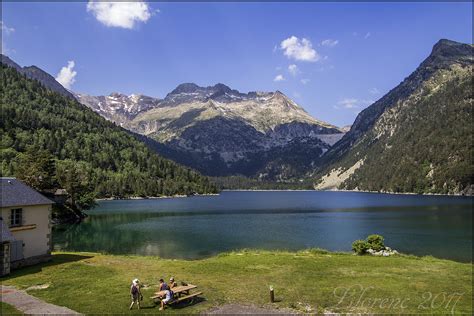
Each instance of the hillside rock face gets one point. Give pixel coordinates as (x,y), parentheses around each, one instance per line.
(118,107)
(221,131)
(416,138)
(36,73)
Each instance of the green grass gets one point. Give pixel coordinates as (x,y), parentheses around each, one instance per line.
(313,279)
(6,309)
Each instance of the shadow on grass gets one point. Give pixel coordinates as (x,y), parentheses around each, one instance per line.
(180,305)
(184,304)
(56,259)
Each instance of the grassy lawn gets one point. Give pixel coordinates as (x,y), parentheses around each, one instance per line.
(307,281)
(6,309)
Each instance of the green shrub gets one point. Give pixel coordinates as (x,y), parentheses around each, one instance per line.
(375,242)
(360,247)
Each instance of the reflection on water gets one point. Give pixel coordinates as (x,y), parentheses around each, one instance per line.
(203,226)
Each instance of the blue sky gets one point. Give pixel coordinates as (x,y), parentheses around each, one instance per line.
(336,60)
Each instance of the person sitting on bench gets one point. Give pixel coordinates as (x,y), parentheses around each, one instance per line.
(167,299)
(163,285)
(172,283)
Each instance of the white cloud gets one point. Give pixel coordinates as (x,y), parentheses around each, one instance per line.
(299,49)
(293,69)
(329,43)
(348,103)
(120,14)
(5,29)
(374,91)
(304,80)
(279,78)
(353,103)
(367,35)
(67,76)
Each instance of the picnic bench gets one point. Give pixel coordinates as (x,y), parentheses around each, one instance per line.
(180,293)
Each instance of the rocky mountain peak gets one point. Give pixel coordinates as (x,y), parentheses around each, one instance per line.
(220,87)
(32,68)
(221,92)
(446,52)
(446,44)
(188,87)
(117,95)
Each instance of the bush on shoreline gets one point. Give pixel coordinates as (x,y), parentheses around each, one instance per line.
(373,242)
(360,247)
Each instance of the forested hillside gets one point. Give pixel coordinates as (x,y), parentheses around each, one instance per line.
(418,137)
(50,141)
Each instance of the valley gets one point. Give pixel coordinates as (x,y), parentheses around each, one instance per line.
(416,138)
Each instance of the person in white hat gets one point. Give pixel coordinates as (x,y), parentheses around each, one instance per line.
(172,283)
(135,293)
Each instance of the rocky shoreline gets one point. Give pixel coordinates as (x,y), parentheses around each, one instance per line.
(466,193)
(154,197)
(386,252)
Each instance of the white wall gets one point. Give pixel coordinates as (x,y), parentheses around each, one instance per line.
(36,240)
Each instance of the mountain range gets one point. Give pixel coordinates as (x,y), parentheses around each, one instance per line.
(51,141)
(220,131)
(416,138)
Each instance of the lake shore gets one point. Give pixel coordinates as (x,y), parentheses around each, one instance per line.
(309,281)
(275,190)
(349,191)
(394,193)
(154,197)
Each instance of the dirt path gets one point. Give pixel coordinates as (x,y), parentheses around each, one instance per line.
(29,304)
(236,309)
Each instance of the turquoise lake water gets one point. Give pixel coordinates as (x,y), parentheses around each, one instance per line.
(202,226)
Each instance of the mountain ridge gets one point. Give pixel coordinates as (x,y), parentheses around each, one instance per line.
(366,118)
(81,146)
(191,120)
(384,132)
(36,73)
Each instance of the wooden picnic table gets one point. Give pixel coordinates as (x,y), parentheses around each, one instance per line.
(177,291)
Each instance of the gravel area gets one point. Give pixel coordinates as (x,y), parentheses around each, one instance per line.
(29,304)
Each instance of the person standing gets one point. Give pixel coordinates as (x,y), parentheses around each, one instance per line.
(135,293)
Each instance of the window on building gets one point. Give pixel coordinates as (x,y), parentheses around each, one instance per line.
(16,218)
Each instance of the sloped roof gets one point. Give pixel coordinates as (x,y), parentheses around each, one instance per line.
(16,193)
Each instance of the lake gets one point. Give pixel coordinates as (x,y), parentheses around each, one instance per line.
(203,226)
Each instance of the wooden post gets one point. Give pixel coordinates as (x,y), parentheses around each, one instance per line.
(272,295)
